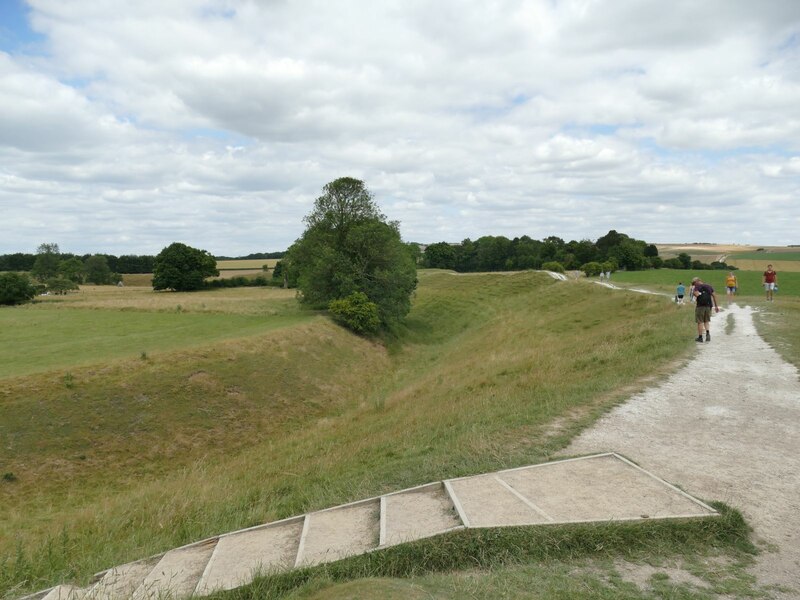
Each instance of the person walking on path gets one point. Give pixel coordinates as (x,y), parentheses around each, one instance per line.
(770,281)
(705,298)
(731,285)
(680,292)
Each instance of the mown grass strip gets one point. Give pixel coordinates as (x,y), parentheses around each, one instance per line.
(666,280)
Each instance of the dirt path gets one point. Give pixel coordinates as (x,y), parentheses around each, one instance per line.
(726,427)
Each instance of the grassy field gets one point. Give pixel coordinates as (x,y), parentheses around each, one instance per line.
(138,280)
(105,323)
(666,280)
(491,371)
(779,323)
(227,269)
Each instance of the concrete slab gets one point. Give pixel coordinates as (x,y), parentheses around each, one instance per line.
(417,513)
(600,488)
(120,582)
(488,503)
(238,556)
(64,592)
(604,487)
(340,532)
(177,573)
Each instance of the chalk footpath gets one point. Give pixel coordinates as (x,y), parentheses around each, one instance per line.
(598,488)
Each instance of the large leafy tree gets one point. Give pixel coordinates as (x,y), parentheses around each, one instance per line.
(48,259)
(182,268)
(72,269)
(348,247)
(97,270)
(440,256)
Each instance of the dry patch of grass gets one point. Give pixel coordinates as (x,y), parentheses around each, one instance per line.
(138,280)
(255,264)
(790,266)
(237,301)
(227,274)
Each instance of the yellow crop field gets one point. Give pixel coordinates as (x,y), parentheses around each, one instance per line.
(238,301)
(256,263)
(138,280)
(790,266)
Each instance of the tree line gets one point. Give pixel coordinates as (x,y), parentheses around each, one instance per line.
(610,252)
(127,263)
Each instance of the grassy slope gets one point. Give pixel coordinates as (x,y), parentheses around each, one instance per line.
(493,371)
(779,323)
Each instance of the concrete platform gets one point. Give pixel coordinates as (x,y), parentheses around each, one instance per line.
(599,488)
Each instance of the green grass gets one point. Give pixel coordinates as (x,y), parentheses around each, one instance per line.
(666,280)
(36,340)
(779,323)
(491,371)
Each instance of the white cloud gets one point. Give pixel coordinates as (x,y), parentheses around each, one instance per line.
(217,122)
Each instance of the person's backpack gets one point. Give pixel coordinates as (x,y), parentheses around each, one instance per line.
(704,299)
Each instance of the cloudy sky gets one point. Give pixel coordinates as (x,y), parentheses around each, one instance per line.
(125,126)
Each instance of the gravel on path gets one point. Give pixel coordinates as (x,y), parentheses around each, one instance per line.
(725,427)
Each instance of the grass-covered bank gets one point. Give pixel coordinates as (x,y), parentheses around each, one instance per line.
(118,462)
(499,554)
(779,323)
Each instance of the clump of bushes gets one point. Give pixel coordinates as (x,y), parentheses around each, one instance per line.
(15,289)
(356,312)
(591,269)
(239,281)
(60,285)
(556,267)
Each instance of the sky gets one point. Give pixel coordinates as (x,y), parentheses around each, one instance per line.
(126,126)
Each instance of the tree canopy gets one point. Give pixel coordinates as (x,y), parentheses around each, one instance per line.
(97,270)
(48,259)
(15,288)
(182,268)
(72,268)
(349,247)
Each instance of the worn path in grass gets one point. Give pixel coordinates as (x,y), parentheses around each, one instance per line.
(726,427)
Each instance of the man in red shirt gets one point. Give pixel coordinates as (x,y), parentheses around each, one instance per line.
(770,282)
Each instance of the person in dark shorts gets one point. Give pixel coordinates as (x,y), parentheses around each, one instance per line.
(705,300)
(680,292)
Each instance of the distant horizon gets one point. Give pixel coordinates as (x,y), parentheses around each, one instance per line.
(243,254)
(127,126)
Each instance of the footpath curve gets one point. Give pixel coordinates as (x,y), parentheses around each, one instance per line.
(726,426)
